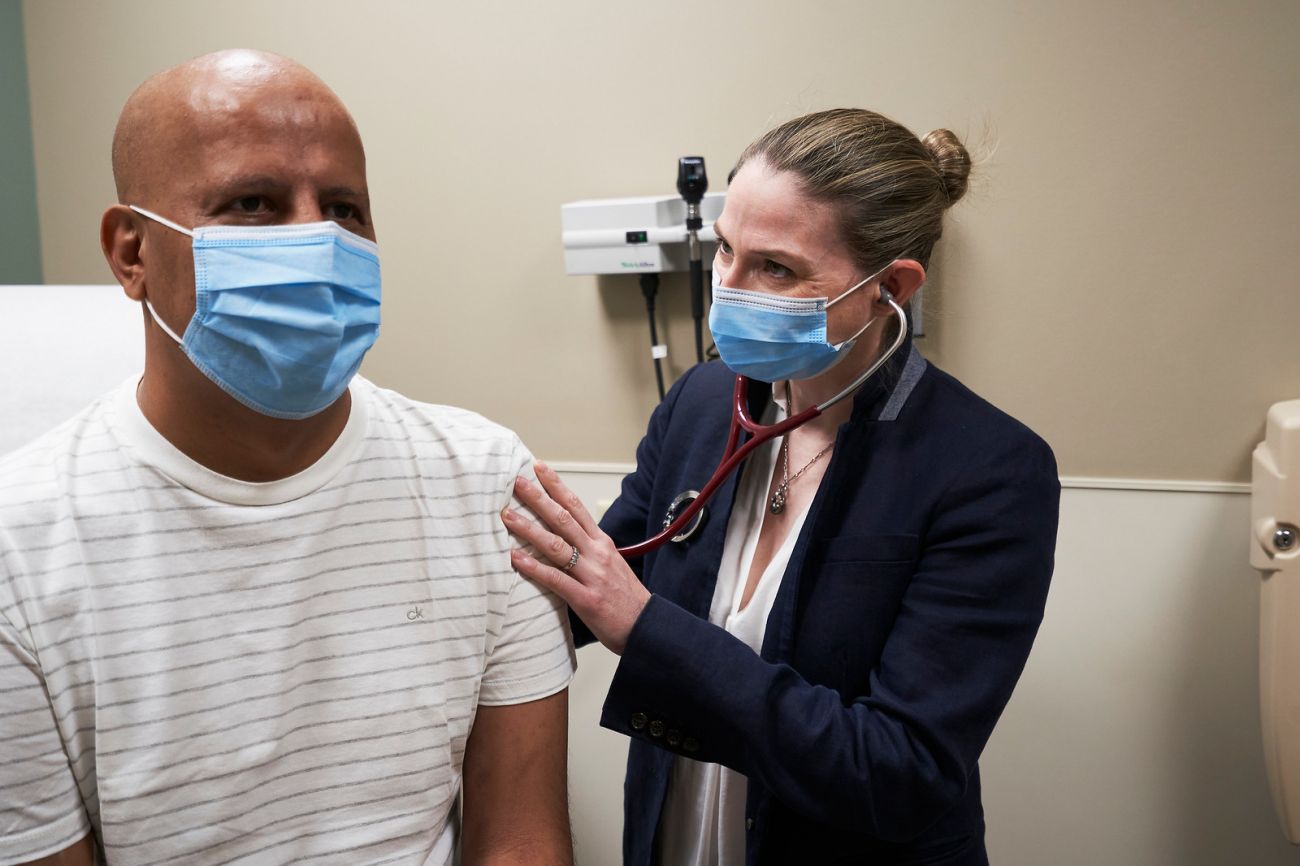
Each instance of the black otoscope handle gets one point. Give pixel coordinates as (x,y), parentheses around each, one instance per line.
(697,304)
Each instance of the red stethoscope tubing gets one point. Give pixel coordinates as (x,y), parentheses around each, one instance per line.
(732,456)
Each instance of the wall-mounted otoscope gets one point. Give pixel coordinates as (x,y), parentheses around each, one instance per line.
(692,184)
(648,236)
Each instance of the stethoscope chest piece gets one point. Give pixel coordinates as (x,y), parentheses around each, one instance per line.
(683,499)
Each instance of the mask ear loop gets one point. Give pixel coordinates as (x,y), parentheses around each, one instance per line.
(850,290)
(153,314)
(148,214)
(157,320)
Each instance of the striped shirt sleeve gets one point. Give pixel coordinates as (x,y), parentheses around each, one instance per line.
(533,657)
(40,807)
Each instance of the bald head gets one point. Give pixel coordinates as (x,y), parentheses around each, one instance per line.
(190,105)
(236,138)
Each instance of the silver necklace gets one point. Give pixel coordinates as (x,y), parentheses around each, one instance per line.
(777,503)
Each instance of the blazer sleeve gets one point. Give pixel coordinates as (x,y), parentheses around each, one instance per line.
(892,761)
(627,520)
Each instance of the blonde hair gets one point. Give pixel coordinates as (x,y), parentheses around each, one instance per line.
(890,188)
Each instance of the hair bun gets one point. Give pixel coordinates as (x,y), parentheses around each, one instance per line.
(950,155)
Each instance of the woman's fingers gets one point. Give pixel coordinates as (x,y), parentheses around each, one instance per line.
(549,577)
(555,548)
(556,517)
(566,498)
(601,587)
(608,603)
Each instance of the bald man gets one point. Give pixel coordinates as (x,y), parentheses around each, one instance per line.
(254,608)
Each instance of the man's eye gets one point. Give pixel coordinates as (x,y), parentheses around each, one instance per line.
(724,247)
(250,204)
(342,212)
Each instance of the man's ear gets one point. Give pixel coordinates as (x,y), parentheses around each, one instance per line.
(906,276)
(121,238)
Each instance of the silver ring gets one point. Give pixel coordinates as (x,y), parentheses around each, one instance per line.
(573,560)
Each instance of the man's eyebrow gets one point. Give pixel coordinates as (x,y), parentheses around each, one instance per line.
(344,192)
(252,181)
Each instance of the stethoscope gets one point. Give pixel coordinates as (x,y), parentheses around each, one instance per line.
(685,513)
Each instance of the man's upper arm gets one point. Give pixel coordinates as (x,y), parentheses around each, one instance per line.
(515,771)
(516,807)
(530,648)
(41,813)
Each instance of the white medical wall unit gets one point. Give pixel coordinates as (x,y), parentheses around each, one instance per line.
(636,235)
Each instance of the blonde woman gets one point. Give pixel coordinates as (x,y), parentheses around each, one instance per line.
(812,676)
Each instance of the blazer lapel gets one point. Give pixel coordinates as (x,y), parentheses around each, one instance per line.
(880,402)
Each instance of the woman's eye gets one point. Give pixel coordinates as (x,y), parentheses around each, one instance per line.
(776,269)
(724,247)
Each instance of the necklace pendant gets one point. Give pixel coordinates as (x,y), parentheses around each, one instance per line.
(777,504)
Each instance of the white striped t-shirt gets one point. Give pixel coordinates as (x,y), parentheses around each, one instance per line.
(210,671)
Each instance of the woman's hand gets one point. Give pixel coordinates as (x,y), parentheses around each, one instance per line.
(579,563)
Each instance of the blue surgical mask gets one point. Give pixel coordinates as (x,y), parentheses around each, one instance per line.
(771,338)
(283,314)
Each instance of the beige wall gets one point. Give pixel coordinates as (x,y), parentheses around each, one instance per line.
(1122,277)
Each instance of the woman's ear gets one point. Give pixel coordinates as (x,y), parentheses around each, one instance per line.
(121,238)
(903,279)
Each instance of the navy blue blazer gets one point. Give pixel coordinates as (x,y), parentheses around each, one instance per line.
(902,623)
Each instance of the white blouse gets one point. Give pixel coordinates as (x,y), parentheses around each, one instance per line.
(704,813)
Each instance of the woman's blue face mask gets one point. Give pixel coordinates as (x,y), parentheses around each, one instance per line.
(283,314)
(772,338)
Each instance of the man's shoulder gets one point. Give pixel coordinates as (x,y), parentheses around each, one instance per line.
(452,429)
